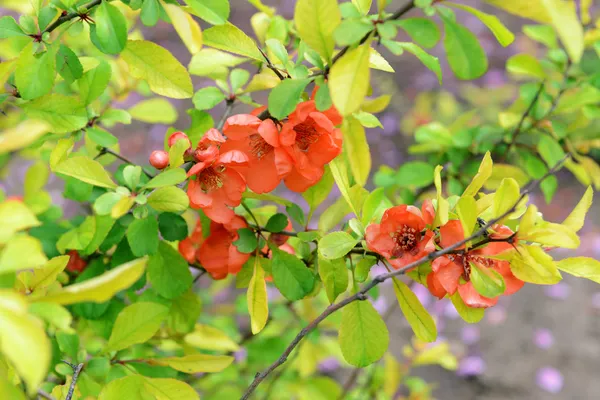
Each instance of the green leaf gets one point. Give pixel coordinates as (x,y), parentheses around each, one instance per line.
(544,34)
(466,57)
(501,171)
(483,173)
(109,32)
(291,276)
(68,64)
(315,21)
(15,217)
(214,12)
(230,38)
(195,363)
(550,150)
(582,267)
(334,276)
(21,252)
(468,314)
(98,289)
(150,12)
(35,73)
(340,175)
(133,384)
(466,208)
(501,32)
(136,323)
(142,235)
(209,338)
(177,151)
(44,276)
(423,31)
(87,170)
(258,303)
(336,244)
(349,79)
(554,235)
(63,114)
(317,193)
(532,264)
(184,313)
(277,223)
(101,137)
(169,389)
(157,66)
(363,6)
(172,226)
(285,96)
(296,213)
(323,98)
(23,341)
(168,272)
(374,206)
(167,178)
(208,97)
(247,242)
(576,218)
(431,62)
(506,197)
(417,316)
(155,111)
(169,198)
(351,31)
(487,282)
(525,65)
(94,82)
(9,28)
(68,344)
(102,226)
(415,173)
(208,62)
(187,28)
(357,150)
(363,336)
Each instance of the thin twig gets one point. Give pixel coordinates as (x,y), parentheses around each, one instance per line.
(76,370)
(362,294)
(45,395)
(270,65)
(70,16)
(105,150)
(226,114)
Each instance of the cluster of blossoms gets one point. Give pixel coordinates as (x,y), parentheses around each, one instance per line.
(252,153)
(407,234)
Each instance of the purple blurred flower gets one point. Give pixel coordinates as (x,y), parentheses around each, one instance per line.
(471,366)
(549,379)
(543,338)
(470,334)
(273,293)
(596,300)
(240,355)
(422,294)
(380,304)
(390,124)
(329,364)
(560,291)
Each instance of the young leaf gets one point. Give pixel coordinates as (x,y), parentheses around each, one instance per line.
(150,12)
(109,32)
(208,97)
(35,73)
(525,65)
(423,31)
(363,337)
(315,21)
(63,114)
(9,28)
(415,173)
(417,316)
(487,282)
(532,264)
(94,82)
(258,303)
(186,27)
(157,66)
(583,267)
(317,193)
(169,199)
(484,172)
(336,244)
(576,218)
(168,272)
(466,57)
(285,96)
(167,178)
(214,12)
(230,38)
(68,64)
(466,208)
(155,111)
(137,323)
(357,149)
(506,197)
(98,289)
(87,170)
(349,79)
(334,276)
(142,235)
(501,32)
(195,363)
(291,276)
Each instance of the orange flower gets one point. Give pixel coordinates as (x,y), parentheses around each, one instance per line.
(401,236)
(452,272)
(312,140)
(217,254)
(189,245)
(268,161)
(217,185)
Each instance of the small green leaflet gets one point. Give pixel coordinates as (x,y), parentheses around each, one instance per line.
(285,96)
(137,323)
(417,316)
(291,276)
(109,32)
(258,303)
(87,170)
(336,244)
(487,282)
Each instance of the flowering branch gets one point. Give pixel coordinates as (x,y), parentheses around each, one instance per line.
(76,371)
(65,18)
(362,294)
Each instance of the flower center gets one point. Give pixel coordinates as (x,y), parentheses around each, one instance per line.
(259,146)
(465,261)
(306,134)
(210,179)
(406,240)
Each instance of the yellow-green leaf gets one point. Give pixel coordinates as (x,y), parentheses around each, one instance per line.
(349,79)
(583,267)
(506,197)
(61,152)
(22,252)
(466,208)
(23,340)
(550,234)
(484,172)
(100,288)
(195,363)
(157,66)
(169,198)
(22,135)
(334,276)
(155,111)
(501,32)
(576,219)
(315,21)
(532,264)
(363,337)
(336,245)
(230,38)
(417,316)
(441,212)
(209,338)
(63,114)
(340,175)
(258,305)
(136,323)
(35,72)
(525,65)
(501,171)
(169,389)
(468,314)
(87,170)
(15,217)
(186,27)
(44,276)
(129,384)
(357,149)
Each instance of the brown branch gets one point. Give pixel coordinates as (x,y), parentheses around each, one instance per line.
(76,371)
(270,65)
(105,150)
(70,16)
(362,294)
(226,113)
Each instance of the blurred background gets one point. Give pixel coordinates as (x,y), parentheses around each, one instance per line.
(543,342)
